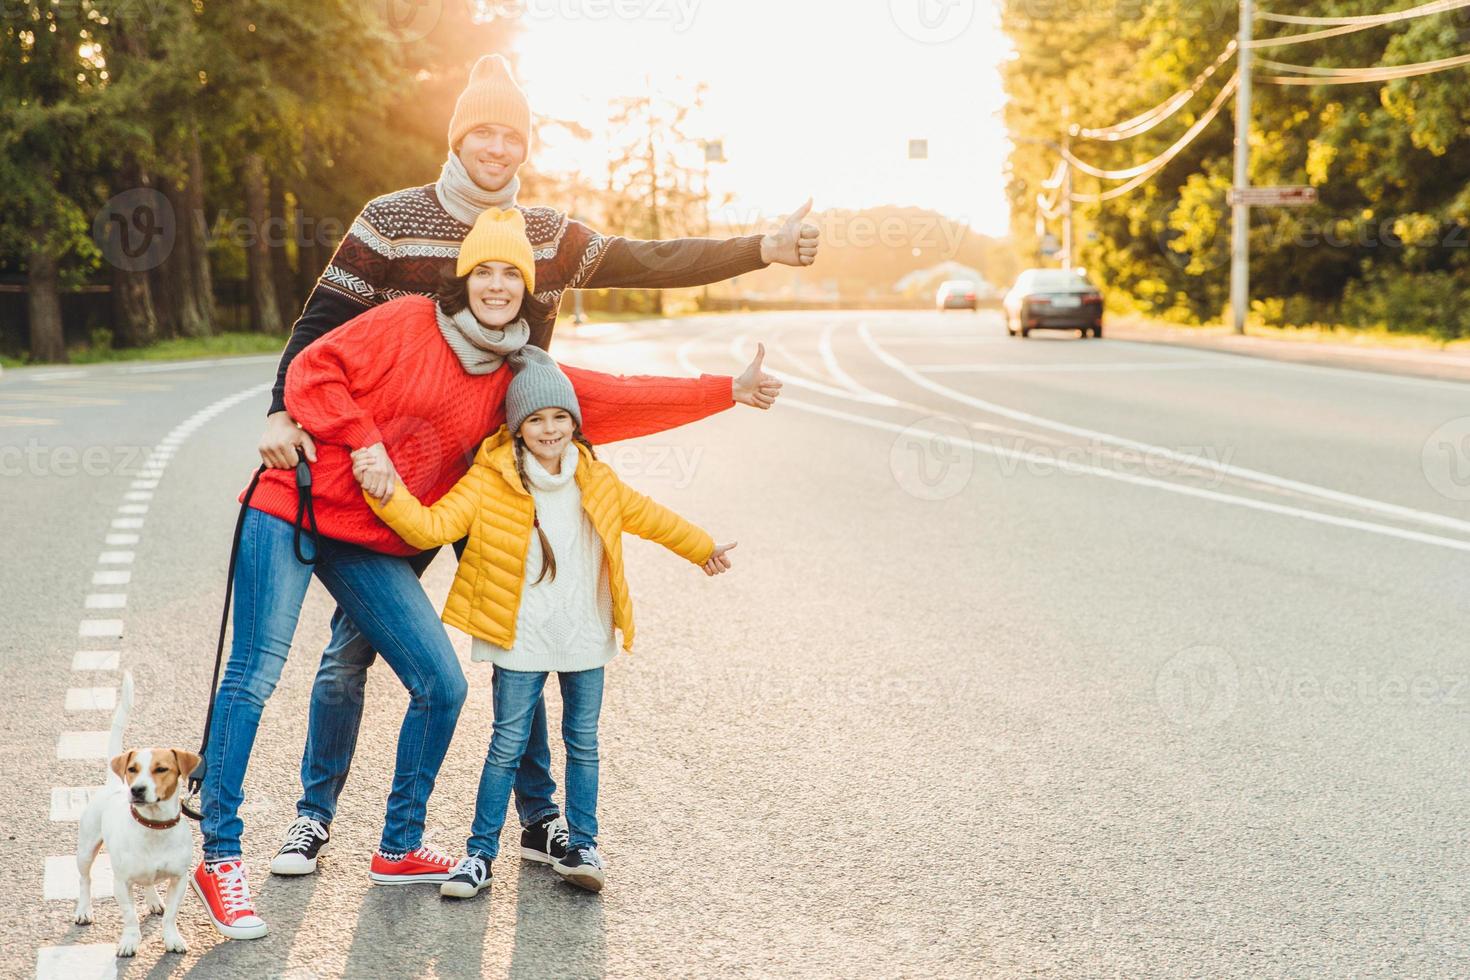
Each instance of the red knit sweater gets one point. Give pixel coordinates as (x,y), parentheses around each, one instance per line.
(389,376)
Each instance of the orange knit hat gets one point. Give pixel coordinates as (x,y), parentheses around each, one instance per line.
(492,96)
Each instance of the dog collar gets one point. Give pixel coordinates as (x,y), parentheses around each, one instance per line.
(153,824)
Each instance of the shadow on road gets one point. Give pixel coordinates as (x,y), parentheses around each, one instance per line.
(559,929)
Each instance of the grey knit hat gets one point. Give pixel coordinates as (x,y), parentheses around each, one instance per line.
(538,383)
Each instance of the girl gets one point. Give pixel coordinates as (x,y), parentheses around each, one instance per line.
(540,589)
(418,382)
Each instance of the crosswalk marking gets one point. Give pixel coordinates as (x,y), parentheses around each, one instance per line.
(100,627)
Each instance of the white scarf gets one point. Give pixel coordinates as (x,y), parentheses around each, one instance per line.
(480,349)
(466,200)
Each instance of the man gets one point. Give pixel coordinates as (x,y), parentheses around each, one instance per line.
(403,243)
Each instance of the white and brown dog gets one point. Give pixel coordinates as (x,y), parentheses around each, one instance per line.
(139,817)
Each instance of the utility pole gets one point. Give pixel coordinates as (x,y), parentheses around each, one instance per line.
(1240,212)
(1067,257)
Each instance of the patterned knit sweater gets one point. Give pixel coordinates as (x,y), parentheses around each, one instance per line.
(389,377)
(403,242)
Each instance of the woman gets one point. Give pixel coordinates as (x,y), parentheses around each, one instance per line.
(414,387)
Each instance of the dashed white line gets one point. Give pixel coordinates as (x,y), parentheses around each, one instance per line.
(115,558)
(145,484)
(100,627)
(112,577)
(116,540)
(61,878)
(91,698)
(138,495)
(133,509)
(68,802)
(81,745)
(127,523)
(95,660)
(90,961)
(107,600)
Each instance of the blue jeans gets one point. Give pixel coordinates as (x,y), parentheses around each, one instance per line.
(383,596)
(517,697)
(336,716)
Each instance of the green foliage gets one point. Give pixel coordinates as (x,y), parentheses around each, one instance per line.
(1387,242)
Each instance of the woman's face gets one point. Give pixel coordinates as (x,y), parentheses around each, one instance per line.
(547,432)
(495,292)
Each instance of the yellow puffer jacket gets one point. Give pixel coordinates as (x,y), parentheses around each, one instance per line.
(490,505)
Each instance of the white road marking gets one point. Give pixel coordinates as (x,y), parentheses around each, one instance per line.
(91,698)
(61,878)
(90,961)
(1061,367)
(58,375)
(115,558)
(138,495)
(82,745)
(95,660)
(100,627)
(115,540)
(107,600)
(68,802)
(133,509)
(829,361)
(145,484)
(111,577)
(127,523)
(1067,466)
(1213,466)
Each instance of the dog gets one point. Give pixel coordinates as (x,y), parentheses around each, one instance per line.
(138,816)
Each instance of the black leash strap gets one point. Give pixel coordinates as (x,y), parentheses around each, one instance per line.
(304,512)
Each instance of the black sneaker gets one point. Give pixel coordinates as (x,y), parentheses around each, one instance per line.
(583,868)
(305,839)
(545,841)
(471,876)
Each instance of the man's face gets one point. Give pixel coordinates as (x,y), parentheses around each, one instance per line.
(492,153)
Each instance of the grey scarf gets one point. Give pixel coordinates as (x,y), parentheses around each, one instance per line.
(480,349)
(464,199)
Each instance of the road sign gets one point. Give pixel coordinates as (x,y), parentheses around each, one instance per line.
(918,149)
(1271,197)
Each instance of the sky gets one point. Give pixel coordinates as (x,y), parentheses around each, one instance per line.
(811,97)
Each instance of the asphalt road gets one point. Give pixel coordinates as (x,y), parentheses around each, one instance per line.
(1080,658)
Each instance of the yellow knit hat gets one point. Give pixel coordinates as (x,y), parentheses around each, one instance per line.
(492,96)
(499,236)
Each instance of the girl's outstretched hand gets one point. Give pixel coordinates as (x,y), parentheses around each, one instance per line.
(720,560)
(374,471)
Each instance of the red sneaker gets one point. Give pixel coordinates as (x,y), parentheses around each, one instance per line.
(225,893)
(424,864)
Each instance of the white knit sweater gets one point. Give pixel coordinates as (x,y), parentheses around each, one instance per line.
(566,623)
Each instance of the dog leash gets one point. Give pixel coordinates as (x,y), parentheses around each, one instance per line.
(305,513)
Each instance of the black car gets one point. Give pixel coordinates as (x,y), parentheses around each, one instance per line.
(1053,299)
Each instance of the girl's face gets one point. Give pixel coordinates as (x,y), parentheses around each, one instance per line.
(495,292)
(547,432)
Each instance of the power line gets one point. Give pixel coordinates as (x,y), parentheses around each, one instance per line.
(1145,121)
(1149,166)
(1159,162)
(1358,76)
(1370,20)
(1378,20)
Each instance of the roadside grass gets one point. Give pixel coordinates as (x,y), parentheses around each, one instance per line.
(177,349)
